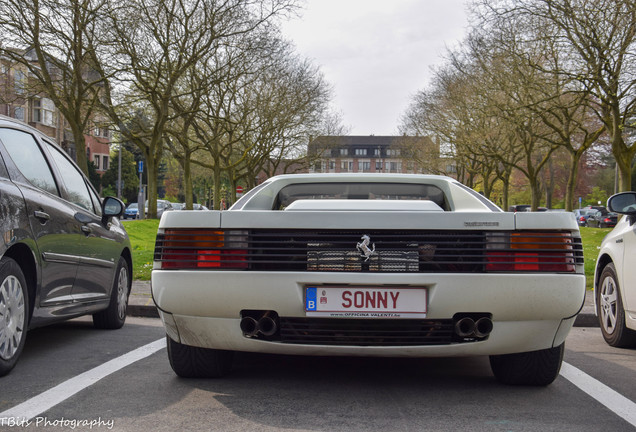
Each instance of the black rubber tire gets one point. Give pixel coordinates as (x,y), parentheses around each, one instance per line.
(534,368)
(194,362)
(616,333)
(14,313)
(114,316)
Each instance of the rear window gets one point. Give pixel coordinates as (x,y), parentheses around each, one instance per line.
(371,191)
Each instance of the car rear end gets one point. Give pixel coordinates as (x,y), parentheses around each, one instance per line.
(375,283)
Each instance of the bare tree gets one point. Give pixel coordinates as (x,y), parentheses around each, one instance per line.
(156,43)
(598,38)
(56,41)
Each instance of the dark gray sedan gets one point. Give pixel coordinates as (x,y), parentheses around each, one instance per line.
(63,252)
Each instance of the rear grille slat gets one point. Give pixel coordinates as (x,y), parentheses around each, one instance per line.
(422,251)
(356,332)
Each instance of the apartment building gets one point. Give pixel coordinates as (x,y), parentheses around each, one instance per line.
(374,154)
(19,102)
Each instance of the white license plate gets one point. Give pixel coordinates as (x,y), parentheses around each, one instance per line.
(365,302)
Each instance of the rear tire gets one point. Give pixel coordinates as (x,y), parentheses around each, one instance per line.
(14,313)
(114,316)
(609,308)
(534,368)
(194,362)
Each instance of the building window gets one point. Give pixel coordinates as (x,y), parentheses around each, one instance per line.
(346,166)
(393,152)
(19,79)
(97,160)
(361,152)
(344,152)
(105,163)
(393,167)
(332,165)
(378,166)
(43,111)
(365,166)
(377,152)
(18,113)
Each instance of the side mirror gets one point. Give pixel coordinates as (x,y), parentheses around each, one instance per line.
(624,203)
(112,207)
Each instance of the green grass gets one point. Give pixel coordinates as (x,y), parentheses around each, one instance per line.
(591,238)
(143,234)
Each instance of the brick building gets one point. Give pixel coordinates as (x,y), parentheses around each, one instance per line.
(375,154)
(19,102)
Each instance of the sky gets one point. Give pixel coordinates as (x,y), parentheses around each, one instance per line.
(376,54)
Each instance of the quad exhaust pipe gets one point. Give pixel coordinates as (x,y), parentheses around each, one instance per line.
(265,325)
(467,327)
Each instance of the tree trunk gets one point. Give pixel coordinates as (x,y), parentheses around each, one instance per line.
(187,180)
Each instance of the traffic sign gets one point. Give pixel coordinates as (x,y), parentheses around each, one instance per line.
(239,189)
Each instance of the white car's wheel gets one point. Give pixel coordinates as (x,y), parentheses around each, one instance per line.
(610,310)
(536,368)
(194,362)
(14,313)
(114,316)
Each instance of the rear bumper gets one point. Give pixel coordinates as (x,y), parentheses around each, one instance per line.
(529,312)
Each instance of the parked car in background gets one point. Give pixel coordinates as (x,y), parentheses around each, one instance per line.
(368,265)
(602,219)
(132,211)
(178,206)
(525,208)
(519,208)
(615,276)
(162,206)
(195,206)
(581,215)
(64,252)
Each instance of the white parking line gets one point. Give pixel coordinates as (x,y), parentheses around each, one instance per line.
(615,402)
(44,401)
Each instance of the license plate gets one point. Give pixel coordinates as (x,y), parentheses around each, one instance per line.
(365,302)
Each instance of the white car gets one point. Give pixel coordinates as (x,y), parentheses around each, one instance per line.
(615,275)
(368,265)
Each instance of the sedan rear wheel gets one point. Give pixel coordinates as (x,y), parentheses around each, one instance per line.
(14,313)
(534,368)
(114,316)
(194,362)
(610,310)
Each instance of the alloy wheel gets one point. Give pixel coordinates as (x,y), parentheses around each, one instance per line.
(12,313)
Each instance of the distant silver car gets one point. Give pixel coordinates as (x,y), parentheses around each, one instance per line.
(615,276)
(369,265)
(162,206)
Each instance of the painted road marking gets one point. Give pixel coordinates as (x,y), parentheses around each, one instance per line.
(614,401)
(44,401)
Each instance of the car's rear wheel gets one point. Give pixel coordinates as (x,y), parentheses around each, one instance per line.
(114,316)
(535,368)
(610,310)
(14,313)
(194,362)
